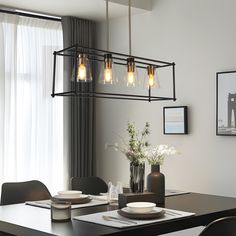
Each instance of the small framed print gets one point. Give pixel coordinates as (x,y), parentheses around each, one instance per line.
(175,120)
(226,103)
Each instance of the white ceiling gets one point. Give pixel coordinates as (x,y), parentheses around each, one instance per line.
(88,9)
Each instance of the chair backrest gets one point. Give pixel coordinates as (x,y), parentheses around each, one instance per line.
(19,192)
(89,185)
(222,226)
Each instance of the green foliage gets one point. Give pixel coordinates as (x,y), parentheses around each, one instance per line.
(136,151)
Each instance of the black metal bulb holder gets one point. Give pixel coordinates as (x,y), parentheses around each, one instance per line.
(107,61)
(130,64)
(118,58)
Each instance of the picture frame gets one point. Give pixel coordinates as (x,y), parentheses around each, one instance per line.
(226,103)
(175,120)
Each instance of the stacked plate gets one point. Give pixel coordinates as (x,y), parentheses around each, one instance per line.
(75,197)
(141,210)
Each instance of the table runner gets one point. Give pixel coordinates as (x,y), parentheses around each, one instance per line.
(97,218)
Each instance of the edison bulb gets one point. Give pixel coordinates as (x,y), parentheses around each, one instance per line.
(151,80)
(130,78)
(108,75)
(81,72)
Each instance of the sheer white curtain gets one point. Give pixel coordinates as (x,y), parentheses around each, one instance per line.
(31,122)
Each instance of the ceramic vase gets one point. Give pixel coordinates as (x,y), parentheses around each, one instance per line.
(156,183)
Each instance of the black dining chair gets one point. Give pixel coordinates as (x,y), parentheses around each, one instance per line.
(223,226)
(89,185)
(19,192)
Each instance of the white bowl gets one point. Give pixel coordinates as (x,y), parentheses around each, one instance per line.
(70,193)
(140,207)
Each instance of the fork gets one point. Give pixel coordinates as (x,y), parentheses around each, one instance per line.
(112,218)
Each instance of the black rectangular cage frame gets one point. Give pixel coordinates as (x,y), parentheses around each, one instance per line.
(94,54)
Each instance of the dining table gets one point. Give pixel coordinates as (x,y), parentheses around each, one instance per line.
(25,220)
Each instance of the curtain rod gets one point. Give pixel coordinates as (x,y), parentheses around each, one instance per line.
(30,15)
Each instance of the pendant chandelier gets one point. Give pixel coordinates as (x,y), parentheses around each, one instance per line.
(82,72)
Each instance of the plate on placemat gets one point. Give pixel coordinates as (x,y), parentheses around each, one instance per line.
(74,200)
(155,213)
(70,193)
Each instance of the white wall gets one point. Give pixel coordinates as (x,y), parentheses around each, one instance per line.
(200,37)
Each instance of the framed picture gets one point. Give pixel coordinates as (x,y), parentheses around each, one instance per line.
(175,120)
(226,103)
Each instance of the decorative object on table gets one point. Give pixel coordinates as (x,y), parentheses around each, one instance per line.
(175,120)
(60,211)
(156,183)
(135,151)
(125,198)
(137,172)
(113,192)
(226,103)
(156,180)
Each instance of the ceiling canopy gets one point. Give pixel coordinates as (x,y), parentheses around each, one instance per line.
(87,9)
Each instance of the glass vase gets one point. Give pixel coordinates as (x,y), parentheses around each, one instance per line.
(137,172)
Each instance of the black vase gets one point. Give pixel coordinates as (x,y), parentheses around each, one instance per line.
(137,177)
(156,183)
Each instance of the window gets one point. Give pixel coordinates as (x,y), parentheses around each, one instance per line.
(31,122)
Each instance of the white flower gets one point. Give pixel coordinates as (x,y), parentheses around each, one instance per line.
(156,155)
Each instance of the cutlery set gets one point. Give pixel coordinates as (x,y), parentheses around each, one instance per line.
(116,219)
(172,213)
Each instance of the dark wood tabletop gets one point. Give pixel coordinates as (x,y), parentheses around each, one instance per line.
(21,219)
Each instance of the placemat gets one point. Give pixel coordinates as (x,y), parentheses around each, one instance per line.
(168,192)
(98,218)
(173,192)
(47,204)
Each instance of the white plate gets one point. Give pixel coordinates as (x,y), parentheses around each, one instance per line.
(140,207)
(153,211)
(70,193)
(71,197)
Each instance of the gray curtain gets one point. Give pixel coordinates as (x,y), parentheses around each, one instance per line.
(79,113)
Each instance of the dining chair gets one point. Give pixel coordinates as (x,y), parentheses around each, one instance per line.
(89,185)
(19,192)
(222,226)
